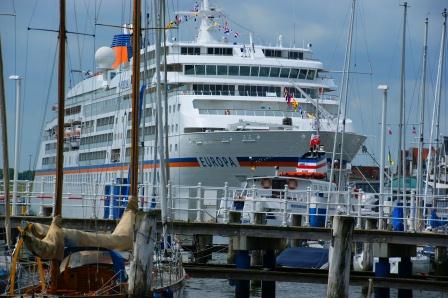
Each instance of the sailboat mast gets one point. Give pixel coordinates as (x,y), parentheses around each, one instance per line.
(439,95)
(5,151)
(135,98)
(165,92)
(422,112)
(61,112)
(54,265)
(401,165)
(346,82)
(160,120)
(435,113)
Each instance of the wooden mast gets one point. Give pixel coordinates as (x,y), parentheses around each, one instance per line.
(5,151)
(61,111)
(135,98)
(54,268)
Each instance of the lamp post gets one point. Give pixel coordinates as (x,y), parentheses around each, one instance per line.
(18,80)
(384,88)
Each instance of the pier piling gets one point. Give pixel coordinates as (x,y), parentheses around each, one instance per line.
(268,287)
(441,261)
(340,257)
(367,255)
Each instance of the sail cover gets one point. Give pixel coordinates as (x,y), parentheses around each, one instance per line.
(48,242)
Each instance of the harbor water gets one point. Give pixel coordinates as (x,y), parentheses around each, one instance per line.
(220,288)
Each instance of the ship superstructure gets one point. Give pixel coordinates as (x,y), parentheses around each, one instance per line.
(228,118)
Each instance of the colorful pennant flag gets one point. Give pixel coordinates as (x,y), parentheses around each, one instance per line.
(389,158)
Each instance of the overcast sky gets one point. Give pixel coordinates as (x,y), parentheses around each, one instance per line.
(323,23)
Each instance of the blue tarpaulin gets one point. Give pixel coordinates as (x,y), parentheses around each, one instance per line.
(303,257)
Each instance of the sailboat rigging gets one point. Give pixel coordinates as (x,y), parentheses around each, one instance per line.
(59,244)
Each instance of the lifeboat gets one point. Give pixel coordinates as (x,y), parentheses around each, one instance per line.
(308,175)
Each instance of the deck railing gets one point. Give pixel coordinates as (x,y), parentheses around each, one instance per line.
(199,203)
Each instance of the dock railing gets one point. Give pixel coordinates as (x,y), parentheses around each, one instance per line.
(200,203)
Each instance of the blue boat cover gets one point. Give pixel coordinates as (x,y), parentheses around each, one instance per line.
(303,257)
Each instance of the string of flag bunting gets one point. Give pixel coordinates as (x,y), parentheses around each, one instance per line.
(221,26)
(291,101)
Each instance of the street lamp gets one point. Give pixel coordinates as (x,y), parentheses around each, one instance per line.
(18,80)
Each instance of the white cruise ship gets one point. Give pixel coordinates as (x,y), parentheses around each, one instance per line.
(227,114)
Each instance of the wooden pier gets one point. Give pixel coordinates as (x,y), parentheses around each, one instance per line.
(266,238)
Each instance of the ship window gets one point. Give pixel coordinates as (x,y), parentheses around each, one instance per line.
(233,70)
(294,73)
(222,70)
(211,70)
(199,69)
(274,72)
(272,53)
(264,71)
(302,74)
(172,67)
(190,50)
(295,55)
(284,72)
(210,51)
(244,70)
(310,75)
(254,70)
(73,110)
(189,69)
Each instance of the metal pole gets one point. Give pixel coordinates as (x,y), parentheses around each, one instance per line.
(422,113)
(160,121)
(347,80)
(165,93)
(384,88)
(439,94)
(401,165)
(4,130)
(345,71)
(435,112)
(17,79)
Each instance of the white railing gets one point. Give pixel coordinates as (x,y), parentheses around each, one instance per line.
(200,203)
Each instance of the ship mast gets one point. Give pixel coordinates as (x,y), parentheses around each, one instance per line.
(54,267)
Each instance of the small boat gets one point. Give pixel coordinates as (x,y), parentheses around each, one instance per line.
(305,191)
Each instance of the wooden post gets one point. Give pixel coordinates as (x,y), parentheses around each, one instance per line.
(234,217)
(256,256)
(202,245)
(296,221)
(340,257)
(140,276)
(441,261)
(367,255)
(268,287)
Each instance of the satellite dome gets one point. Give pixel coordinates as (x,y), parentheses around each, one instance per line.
(104,58)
